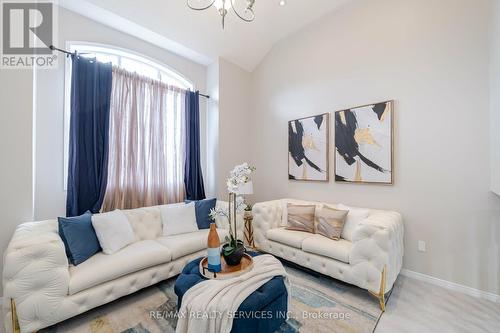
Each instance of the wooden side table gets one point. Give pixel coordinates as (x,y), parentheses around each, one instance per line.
(248,229)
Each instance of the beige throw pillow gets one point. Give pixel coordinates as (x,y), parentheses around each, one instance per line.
(330,222)
(301,217)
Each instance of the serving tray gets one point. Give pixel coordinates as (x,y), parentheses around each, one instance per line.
(227,272)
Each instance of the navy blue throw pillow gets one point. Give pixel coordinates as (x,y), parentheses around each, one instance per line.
(79,237)
(203,208)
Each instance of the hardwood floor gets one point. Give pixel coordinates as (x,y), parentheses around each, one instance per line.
(419,307)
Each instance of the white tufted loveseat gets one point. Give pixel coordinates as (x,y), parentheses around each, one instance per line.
(47,290)
(377,243)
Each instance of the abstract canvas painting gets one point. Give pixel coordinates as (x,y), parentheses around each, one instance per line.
(363,144)
(308,148)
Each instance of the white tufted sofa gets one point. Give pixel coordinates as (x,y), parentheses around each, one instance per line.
(377,242)
(47,290)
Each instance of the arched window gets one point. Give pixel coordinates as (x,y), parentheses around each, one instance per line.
(131,62)
(126,59)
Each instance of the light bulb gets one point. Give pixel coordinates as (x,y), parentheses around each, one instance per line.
(282,3)
(218,4)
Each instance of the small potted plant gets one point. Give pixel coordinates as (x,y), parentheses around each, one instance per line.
(238,184)
(248,210)
(233,249)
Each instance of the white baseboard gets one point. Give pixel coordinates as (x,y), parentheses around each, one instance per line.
(451,285)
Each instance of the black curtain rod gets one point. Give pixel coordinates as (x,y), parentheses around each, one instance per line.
(53,48)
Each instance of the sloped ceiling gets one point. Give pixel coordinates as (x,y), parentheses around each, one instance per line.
(199,35)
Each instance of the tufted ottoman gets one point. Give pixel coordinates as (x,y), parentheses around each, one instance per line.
(263,311)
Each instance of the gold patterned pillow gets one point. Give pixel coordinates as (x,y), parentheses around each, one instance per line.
(300,217)
(330,222)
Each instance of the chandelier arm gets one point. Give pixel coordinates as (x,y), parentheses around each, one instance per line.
(203,8)
(241,17)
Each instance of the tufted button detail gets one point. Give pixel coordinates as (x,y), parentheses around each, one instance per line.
(378,242)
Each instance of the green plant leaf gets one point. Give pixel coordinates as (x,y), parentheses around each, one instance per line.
(228,250)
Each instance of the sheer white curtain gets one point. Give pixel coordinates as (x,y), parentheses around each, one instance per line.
(146,144)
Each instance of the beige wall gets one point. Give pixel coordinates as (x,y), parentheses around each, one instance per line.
(50,196)
(234,121)
(211,179)
(495,97)
(432,58)
(16,105)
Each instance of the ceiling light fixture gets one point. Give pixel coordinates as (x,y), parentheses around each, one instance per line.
(282,3)
(242,8)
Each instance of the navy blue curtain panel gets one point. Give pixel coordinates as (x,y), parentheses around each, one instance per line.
(193,177)
(89,135)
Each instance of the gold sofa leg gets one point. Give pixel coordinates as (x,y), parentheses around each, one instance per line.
(381,294)
(15,321)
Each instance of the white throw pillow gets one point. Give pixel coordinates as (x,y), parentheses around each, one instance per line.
(221,221)
(178,219)
(113,231)
(354,218)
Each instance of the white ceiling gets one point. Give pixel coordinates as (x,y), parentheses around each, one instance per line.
(199,35)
